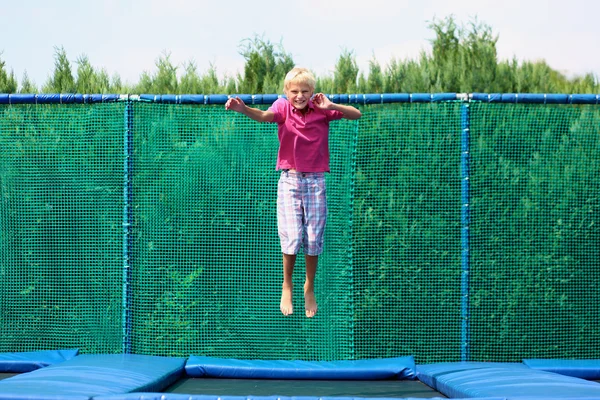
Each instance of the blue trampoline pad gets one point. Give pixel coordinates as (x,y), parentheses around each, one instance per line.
(370,369)
(584,369)
(508,380)
(32,360)
(86,376)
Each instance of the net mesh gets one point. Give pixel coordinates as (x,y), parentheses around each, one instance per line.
(61,176)
(206,268)
(534,250)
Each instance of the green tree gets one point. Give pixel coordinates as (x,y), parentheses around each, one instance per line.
(165,80)
(537,77)
(506,75)
(117,85)
(193,83)
(408,76)
(86,76)
(346,73)
(585,84)
(62,80)
(102,82)
(445,73)
(210,81)
(27,86)
(8,83)
(265,67)
(478,59)
(324,84)
(463,60)
(190,81)
(144,85)
(375,80)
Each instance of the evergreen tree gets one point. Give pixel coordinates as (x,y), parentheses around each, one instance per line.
(62,80)
(165,80)
(445,73)
(478,59)
(265,67)
(144,85)
(375,80)
(86,75)
(462,60)
(324,84)
(8,83)
(190,81)
(27,86)
(117,86)
(101,83)
(346,73)
(210,82)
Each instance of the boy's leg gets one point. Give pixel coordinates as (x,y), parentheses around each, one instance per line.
(310,302)
(286,291)
(315,207)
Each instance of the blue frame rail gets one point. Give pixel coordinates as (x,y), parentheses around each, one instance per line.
(521,98)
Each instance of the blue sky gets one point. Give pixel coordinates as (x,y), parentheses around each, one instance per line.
(128,36)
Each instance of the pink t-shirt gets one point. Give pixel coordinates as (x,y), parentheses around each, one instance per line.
(303,138)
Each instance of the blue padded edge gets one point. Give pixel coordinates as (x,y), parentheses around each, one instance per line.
(549,98)
(57,98)
(174,396)
(94,374)
(28,361)
(427,373)
(510,380)
(584,369)
(385,368)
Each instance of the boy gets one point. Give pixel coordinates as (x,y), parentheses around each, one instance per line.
(303,158)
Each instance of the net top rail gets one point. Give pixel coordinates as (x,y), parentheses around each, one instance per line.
(531,98)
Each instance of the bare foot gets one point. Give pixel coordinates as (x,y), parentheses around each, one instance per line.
(310,302)
(286,301)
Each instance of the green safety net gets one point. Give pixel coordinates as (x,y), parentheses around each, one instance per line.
(535,263)
(199,270)
(61,182)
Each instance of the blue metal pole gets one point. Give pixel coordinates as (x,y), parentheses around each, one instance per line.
(127,225)
(465,237)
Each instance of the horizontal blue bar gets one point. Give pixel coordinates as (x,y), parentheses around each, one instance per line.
(55,98)
(536,98)
(526,98)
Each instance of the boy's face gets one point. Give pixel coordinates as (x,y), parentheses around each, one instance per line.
(298,94)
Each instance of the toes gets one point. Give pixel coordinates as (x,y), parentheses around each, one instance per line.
(310,313)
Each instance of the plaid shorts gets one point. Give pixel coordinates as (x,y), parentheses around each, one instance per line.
(301,211)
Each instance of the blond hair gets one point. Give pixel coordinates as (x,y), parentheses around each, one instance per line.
(301,76)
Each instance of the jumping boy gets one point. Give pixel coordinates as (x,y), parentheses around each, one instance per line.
(303,158)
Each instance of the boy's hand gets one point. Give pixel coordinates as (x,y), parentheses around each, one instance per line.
(235,104)
(321,101)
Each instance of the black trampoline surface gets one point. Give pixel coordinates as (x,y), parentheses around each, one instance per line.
(318,388)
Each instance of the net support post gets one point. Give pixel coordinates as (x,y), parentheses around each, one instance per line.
(465,164)
(127,225)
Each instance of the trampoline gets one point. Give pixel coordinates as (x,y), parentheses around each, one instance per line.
(66,375)
(131,224)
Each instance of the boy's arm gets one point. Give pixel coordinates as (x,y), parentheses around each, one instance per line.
(321,101)
(237,104)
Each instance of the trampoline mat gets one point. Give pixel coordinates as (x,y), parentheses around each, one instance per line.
(320,388)
(4,375)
